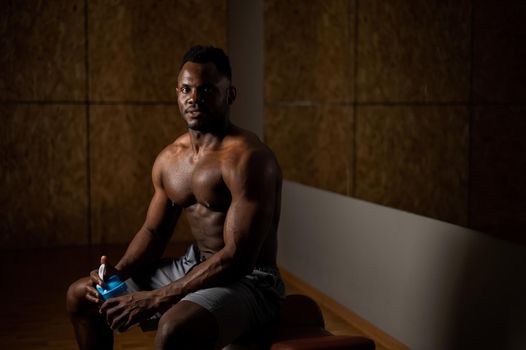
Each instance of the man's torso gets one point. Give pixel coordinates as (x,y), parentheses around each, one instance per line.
(196,183)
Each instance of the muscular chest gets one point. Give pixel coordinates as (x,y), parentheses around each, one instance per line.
(188,182)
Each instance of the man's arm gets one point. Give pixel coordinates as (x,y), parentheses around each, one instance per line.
(253,182)
(150,241)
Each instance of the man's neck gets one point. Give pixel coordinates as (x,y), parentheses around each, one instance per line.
(203,140)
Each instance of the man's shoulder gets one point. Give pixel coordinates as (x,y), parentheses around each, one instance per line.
(175,149)
(249,165)
(180,144)
(244,150)
(243,143)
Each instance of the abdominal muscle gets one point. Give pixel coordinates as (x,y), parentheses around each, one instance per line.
(207,230)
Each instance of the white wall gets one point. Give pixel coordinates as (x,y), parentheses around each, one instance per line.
(245,49)
(430,284)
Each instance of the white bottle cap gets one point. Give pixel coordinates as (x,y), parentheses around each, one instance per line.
(102,268)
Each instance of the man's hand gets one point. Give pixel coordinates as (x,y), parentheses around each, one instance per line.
(91,292)
(125,311)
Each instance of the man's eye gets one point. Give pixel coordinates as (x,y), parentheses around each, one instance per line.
(184,90)
(207,90)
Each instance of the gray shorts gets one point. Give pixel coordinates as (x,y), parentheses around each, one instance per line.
(243,306)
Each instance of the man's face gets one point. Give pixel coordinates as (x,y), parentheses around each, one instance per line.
(203,96)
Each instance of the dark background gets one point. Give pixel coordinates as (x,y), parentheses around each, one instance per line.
(416,105)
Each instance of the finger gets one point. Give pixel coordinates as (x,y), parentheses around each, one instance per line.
(134,318)
(92,295)
(93,299)
(127,320)
(91,289)
(109,305)
(112,314)
(95,278)
(125,326)
(119,323)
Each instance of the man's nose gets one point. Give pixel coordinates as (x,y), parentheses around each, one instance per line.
(195,96)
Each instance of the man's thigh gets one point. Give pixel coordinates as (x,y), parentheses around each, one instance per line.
(239,308)
(187,325)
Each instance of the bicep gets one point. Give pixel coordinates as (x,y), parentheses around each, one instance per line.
(250,218)
(162,214)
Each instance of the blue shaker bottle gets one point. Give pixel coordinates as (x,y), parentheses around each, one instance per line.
(111,288)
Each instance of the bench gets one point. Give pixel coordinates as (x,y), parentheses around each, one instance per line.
(300,327)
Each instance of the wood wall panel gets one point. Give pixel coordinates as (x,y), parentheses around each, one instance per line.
(136,46)
(43,197)
(424,71)
(314,145)
(42,50)
(413,50)
(307,52)
(414,159)
(125,141)
(128,55)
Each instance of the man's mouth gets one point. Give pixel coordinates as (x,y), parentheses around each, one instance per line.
(194,112)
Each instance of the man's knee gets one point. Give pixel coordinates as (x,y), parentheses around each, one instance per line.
(169,332)
(187,326)
(76,297)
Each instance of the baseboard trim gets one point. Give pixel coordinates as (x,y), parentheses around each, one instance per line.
(349,316)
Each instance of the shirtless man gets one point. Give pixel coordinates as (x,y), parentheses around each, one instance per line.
(229,185)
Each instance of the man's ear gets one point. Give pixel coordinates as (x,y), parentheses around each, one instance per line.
(232,93)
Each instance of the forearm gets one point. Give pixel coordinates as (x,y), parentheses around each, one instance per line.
(145,248)
(220,269)
(243,241)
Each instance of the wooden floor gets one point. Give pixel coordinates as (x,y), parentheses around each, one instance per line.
(33,292)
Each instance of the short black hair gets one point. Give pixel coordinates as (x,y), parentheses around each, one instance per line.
(206,54)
